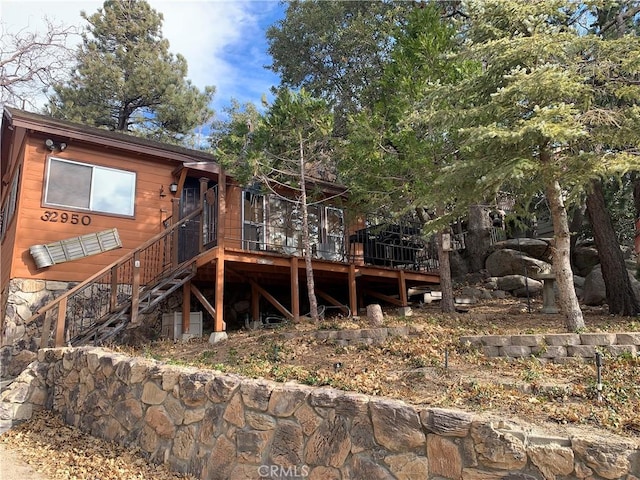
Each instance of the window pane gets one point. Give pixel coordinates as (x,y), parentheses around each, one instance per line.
(113,191)
(69,184)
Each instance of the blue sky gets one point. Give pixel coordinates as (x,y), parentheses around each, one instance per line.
(222,40)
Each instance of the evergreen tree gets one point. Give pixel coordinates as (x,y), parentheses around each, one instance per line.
(127,80)
(532,114)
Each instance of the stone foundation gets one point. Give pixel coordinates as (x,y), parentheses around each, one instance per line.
(557,347)
(223,426)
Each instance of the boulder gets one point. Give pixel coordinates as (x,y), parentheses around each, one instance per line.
(594,290)
(533,247)
(512,262)
(519,285)
(584,259)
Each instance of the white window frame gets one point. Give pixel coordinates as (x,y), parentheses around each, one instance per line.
(128,212)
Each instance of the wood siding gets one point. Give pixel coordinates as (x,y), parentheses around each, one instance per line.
(150,210)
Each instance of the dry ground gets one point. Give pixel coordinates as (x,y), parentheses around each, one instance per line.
(435,369)
(562,398)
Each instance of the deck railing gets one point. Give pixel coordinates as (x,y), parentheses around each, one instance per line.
(112,288)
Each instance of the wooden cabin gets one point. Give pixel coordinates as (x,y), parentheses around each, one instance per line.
(99,228)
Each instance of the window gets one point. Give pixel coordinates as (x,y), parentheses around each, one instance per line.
(89,187)
(9,207)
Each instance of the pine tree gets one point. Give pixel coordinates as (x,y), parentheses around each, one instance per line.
(127,80)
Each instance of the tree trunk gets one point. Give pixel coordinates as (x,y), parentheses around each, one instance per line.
(636,201)
(620,294)
(306,242)
(478,239)
(576,222)
(561,254)
(447,303)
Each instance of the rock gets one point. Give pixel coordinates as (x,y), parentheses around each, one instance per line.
(533,247)
(396,425)
(552,460)
(374,315)
(607,460)
(584,259)
(330,444)
(512,262)
(408,466)
(512,283)
(498,450)
(444,457)
(595,291)
(446,422)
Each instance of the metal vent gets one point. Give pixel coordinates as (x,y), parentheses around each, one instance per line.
(75,248)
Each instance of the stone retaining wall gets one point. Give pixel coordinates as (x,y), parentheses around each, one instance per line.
(557,347)
(223,426)
(364,336)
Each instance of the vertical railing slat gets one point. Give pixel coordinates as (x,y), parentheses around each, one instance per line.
(60,322)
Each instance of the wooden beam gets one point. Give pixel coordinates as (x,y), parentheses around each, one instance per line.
(295,290)
(332,300)
(202,299)
(272,300)
(386,298)
(186,307)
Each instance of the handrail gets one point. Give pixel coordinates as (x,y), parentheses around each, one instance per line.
(110,269)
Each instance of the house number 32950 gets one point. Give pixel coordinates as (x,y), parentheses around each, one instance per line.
(64,217)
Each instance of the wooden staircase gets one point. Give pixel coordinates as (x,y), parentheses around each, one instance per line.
(101,307)
(109,326)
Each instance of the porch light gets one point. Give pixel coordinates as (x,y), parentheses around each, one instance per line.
(173,188)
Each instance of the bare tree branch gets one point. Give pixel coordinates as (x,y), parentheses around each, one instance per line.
(32,61)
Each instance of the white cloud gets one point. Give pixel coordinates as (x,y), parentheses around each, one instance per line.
(222,40)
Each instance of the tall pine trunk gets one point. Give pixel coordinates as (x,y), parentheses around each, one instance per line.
(562,253)
(620,294)
(306,240)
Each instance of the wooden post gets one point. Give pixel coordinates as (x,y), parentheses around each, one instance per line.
(218,324)
(402,285)
(60,322)
(186,307)
(295,290)
(135,288)
(353,296)
(204,184)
